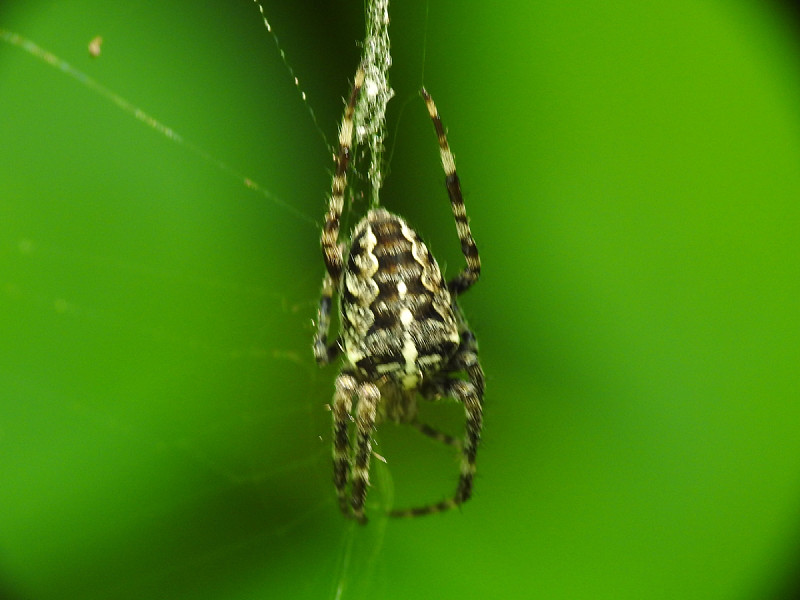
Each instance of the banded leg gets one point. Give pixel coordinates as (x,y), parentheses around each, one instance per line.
(467,392)
(368,396)
(470,274)
(323,352)
(466,359)
(331,250)
(345,389)
(436,434)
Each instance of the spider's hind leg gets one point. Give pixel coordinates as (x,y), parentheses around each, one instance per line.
(437,435)
(331,249)
(471,396)
(342,405)
(366,412)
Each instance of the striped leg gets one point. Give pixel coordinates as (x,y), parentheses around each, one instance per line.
(331,250)
(468,393)
(342,404)
(323,352)
(472,398)
(466,359)
(436,434)
(472,271)
(368,396)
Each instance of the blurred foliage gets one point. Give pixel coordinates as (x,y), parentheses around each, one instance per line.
(632,177)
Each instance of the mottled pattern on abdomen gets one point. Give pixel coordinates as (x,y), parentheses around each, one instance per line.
(395,308)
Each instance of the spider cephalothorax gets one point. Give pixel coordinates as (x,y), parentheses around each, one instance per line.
(403,333)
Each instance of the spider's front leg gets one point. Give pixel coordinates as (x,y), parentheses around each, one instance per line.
(332,250)
(464,280)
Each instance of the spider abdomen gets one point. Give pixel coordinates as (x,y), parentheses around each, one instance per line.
(395,309)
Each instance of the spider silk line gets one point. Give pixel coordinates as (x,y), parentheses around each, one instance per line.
(424,44)
(54,61)
(370,116)
(140,115)
(292,74)
(363,547)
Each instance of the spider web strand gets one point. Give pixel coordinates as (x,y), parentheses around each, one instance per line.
(140,115)
(292,74)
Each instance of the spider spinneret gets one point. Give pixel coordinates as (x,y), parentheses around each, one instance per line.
(403,332)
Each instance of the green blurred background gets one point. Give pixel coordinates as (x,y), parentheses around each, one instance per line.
(633,175)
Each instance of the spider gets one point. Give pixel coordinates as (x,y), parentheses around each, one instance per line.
(402,331)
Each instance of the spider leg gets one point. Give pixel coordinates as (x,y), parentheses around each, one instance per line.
(324,352)
(331,250)
(436,434)
(342,404)
(471,396)
(470,274)
(368,397)
(466,357)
